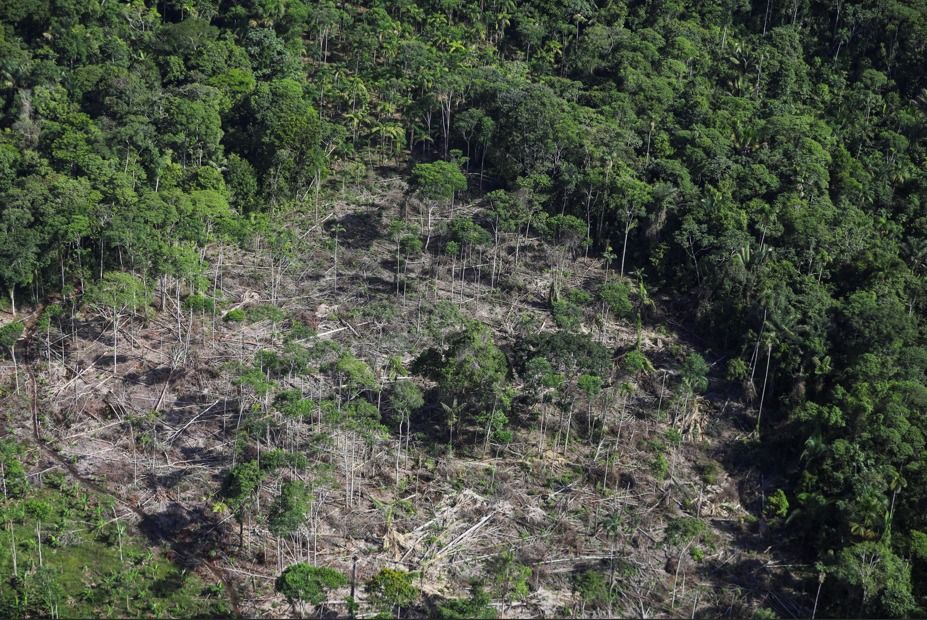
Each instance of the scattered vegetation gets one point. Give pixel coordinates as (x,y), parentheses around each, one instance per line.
(286,283)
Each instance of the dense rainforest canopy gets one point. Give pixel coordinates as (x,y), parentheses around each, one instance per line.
(760,164)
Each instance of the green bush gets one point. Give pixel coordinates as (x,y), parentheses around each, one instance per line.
(305,583)
(617,297)
(708,470)
(567,315)
(736,370)
(390,589)
(300,331)
(199,303)
(265,312)
(593,589)
(234,316)
(477,605)
(682,530)
(695,372)
(659,467)
(578,296)
(777,505)
(636,363)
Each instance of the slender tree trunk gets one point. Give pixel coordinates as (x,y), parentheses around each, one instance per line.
(13,549)
(398,452)
(15,365)
(759,414)
(115,336)
(566,439)
(624,246)
(541,441)
(814,610)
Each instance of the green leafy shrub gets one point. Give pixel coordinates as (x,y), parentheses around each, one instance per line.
(300,331)
(682,530)
(509,577)
(265,312)
(477,605)
(305,583)
(236,315)
(736,370)
(777,505)
(391,589)
(567,315)
(291,403)
(636,363)
(578,296)
(593,589)
(708,470)
(695,372)
(659,467)
(617,296)
(198,302)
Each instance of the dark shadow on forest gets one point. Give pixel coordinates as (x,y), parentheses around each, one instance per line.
(360,229)
(190,533)
(171,479)
(351,283)
(158,375)
(106,360)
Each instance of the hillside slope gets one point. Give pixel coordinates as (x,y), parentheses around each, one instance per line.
(563,306)
(641,493)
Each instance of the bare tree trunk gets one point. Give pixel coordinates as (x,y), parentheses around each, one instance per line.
(759,414)
(115,336)
(566,439)
(814,611)
(624,247)
(15,365)
(13,549)
(38,538)
(398,452)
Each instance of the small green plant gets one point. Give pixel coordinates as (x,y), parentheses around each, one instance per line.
(709,471)
(567,315)
(617,297)
(636,363)
(390,590)
(736,370)
(659,467)
(55,480)
(777,505)
(303,583)
(578,296)
(265,312)
(509,576)
(673,436)
(593,589)
(236,315)
(695,373)
(300,331)
(199,303)
(477,605)
(682,530)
